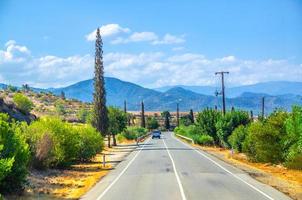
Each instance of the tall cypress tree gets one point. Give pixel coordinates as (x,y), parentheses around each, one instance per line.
(143,122)
(99,96)
(177,114)
(191,115)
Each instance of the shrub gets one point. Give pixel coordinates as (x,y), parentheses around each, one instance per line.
(152,123)
(84,115)
(263,143)
(91,142)
(23,103)
(227,123)
(55,143)
(203,139)
(14,156)
(237,138)
(60,107)
(293,139)
(207,120)
(132,132)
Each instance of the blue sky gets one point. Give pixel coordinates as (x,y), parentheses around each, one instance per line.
(156,43)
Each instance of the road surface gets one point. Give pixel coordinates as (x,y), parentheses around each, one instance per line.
(168,168)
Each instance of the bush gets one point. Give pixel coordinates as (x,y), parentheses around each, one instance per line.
(203,139)
(55,143)
(227,123)
(207,120)
(293,139)
(263,143)
(152,123)
(84,115)
(237,138)
(23,103)
(14,156)
(60,107)
(132,132)
(90,143)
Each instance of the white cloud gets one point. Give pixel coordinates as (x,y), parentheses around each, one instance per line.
(151,37)
(178,48)
(170,39)
(151,69)
(107,30)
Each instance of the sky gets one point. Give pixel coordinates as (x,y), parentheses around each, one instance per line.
(152,43)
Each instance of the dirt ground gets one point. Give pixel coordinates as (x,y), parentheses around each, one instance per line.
(74,182)
(285,180)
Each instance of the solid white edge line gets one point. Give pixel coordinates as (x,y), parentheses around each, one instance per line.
(183,196)
(234,175)
(122,172)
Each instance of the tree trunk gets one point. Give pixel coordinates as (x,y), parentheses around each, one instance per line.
(109,141)
(114,140)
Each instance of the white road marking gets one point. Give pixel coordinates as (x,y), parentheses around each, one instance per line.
(183,196)
(122,172)
(234,175)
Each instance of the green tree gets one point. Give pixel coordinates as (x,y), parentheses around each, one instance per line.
(293,140)
(237,138)
(100,120)
(207,120)
(117,122)
(185,120)
(84,115)
(14,156)
(166,115)
(228,122)
(152,123)
(23,103)
(143,121)
(191,116)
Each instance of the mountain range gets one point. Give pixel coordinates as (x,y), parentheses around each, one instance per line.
(279,94)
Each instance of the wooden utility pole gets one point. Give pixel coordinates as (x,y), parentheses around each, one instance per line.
(177,114)
(222,89)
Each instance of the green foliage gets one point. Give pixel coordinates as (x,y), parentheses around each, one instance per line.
(203,140)
(117,120)
(132,132)
(55,143)
(60,107)
(293,139)
(166,115)
(185,120)
(264,141)
(84,115)
(194,132)
(90,142)
(23,103)
(152,123)
(12,88)
(237,138)
(207,120)
(14,156)
(227,123)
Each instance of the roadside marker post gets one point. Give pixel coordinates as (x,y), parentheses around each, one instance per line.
(104,160)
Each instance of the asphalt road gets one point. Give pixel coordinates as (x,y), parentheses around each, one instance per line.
(167,168)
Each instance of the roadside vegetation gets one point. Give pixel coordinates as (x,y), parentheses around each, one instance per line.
(276,139)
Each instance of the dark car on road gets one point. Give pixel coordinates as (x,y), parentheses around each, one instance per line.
(156,134)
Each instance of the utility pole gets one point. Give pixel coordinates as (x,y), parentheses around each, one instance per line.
(222,89)
(177,114)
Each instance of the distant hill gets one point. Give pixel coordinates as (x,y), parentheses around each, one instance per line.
(271,88)
(277,95)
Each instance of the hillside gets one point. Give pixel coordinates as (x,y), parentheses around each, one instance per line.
(246,97)
(270,88)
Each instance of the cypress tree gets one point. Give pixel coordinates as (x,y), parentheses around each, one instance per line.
(62,95)
(191,116)
(100,121)
(143,122)
(177,114)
